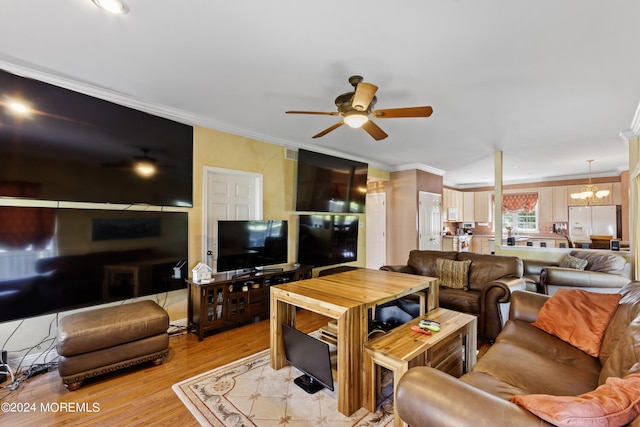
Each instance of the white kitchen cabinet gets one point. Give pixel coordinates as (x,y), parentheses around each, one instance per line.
(468,206)
(452,202)
(560,207)
(616,190)
(482,206)
(545,204)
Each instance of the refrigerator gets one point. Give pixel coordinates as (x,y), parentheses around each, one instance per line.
(585,221)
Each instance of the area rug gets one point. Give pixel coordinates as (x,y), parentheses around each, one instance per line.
(249,392)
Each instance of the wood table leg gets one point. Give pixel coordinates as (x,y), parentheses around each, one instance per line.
(281,312)
(351,336)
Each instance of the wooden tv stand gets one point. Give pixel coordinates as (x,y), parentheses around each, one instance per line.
(231,298)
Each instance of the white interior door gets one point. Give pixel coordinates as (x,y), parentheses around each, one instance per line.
(429,221)
(376,222)
(228,195)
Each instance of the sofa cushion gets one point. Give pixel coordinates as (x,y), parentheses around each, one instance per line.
(453,274)
(578,317)
(459,300)
(487,268)
(526,336)
(620,350)
(569,261)
(615,403)
(424,262)
(602,262)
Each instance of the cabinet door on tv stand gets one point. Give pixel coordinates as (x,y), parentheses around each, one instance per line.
(214,304)
(238,307)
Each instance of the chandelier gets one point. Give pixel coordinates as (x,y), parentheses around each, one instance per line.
(589,194)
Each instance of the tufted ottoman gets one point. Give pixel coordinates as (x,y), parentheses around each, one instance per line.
(95,342)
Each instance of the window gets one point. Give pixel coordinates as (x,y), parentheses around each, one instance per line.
(521,220)
(520,211)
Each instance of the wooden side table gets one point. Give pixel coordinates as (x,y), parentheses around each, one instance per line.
(401,348)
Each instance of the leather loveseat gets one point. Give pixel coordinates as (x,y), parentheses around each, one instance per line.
(526,360)
(604,272)
(491,279)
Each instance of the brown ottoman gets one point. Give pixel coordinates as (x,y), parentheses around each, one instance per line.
(94,342)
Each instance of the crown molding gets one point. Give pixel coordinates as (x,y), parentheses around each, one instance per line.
(418,166)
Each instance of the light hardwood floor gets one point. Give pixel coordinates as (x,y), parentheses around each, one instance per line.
(140,396)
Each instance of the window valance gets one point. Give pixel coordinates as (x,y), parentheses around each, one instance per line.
(525,202)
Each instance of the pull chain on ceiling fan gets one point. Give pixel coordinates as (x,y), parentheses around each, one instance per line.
(356,107)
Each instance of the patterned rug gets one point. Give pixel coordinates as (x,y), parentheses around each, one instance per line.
(249,392)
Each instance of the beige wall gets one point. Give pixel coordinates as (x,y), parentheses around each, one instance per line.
(214,149)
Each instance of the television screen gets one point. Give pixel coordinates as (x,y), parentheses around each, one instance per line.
(330,184)
(327,239)
(57,144)
(251,244)
(311,356)
(56,259)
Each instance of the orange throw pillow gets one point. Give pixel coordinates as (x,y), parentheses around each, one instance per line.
(614,403)
(578,317)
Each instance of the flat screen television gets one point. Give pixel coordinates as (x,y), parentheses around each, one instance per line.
(251,244)
(69,146)
(57,259)
(309,355)
(330,184)
(327,239)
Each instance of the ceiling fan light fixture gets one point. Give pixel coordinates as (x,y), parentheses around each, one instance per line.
(145,168)
(589,193)
(356,119)
(117,7)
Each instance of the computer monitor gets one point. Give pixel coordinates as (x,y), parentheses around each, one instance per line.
(311,356)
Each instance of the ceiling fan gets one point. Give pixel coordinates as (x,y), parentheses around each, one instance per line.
(356,107)
(144,165)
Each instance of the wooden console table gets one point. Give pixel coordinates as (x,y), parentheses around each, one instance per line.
(229,299)
(347,297)
(401,348)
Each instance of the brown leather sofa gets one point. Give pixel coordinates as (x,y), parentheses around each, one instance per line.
(492,278)
(524,360)
(604,273)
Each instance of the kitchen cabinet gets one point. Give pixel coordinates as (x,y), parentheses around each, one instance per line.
(481,244)
(616,193)
(468,206)
(545,204)
(482,206)
(560,207)
(452,201)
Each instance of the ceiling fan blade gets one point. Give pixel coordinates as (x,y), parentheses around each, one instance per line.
(392,113)
(334,113)
(363,96)
(374,130)
(326,131)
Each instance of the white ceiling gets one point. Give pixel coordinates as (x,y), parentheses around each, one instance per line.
(550,83)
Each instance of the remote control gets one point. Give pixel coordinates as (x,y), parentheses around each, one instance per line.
(419,329)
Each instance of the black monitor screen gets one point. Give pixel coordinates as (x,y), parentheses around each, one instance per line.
(327,239)
(330,184)
(56,259)
(251,244)
(68,146)
(308,354)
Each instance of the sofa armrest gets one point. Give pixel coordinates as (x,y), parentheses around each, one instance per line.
(535,266)
(399,269)
(526,305)
(453,403)
(493,294)
(570,277)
